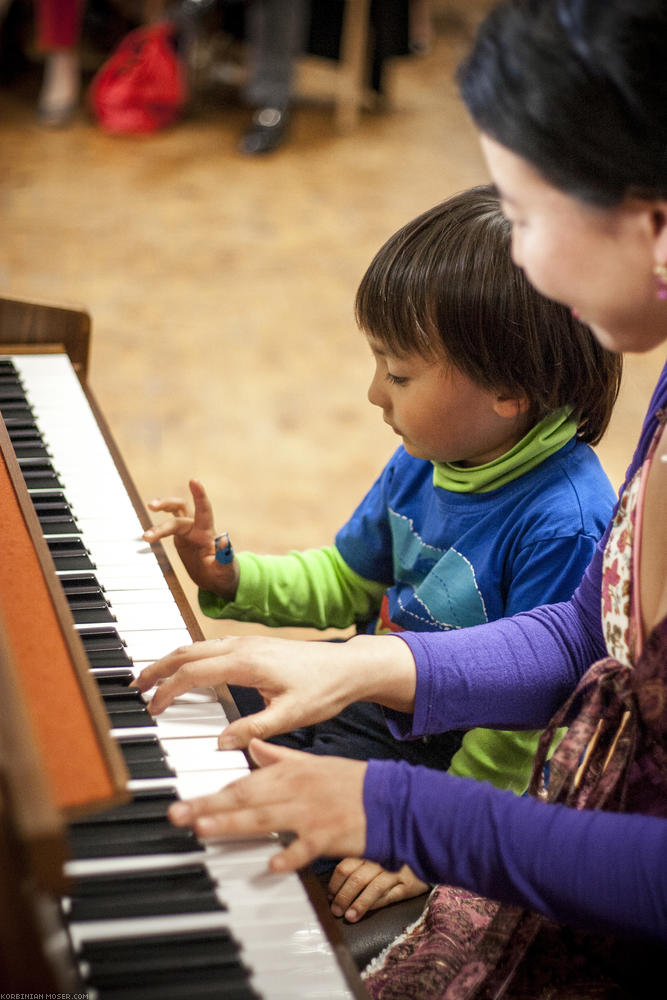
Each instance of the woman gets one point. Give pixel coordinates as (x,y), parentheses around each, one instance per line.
(570,98)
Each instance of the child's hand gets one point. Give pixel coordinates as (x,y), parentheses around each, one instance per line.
(194,539)
(358,886)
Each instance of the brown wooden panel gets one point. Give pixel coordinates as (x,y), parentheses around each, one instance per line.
(83,764)
(37,323)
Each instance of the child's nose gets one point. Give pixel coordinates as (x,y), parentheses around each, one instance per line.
(375,394)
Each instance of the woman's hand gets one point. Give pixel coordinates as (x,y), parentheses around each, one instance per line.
(194,539)
(301,682)
(319,799)
(358,886)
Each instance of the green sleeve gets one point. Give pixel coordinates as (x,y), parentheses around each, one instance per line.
(315,588)
(503,758)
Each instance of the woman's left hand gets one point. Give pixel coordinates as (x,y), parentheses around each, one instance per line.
(319,799)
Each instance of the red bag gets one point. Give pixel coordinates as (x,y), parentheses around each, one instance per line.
(142,87)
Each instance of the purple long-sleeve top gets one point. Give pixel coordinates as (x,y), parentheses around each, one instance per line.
(603,871)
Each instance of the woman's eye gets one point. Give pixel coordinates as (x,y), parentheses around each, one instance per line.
(396,379)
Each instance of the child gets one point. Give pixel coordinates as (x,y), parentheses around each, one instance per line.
(492,505)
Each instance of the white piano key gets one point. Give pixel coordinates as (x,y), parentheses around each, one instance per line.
(202,754)
(133,617)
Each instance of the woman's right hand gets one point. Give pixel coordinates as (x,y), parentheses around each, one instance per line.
(194,539)
(302,683)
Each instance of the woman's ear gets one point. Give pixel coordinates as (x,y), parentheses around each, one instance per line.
(510,407)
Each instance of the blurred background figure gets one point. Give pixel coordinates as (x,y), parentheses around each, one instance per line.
(58,29)
(276,34)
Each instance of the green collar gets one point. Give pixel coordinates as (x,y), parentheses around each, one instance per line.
(541,441)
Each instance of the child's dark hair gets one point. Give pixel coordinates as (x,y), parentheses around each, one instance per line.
(578,88)
(445,286)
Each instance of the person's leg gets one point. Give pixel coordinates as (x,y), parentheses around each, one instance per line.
(275,31)
(360,732)
(58,24)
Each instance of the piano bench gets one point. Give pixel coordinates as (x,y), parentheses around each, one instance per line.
(375,931)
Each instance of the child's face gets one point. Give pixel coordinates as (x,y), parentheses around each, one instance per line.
(441,414)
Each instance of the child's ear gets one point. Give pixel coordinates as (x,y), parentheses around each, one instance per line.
(510,407)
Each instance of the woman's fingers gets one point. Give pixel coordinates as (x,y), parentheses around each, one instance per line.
(194,656)
(318,799)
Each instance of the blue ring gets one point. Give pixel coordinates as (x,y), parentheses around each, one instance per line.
(224,555)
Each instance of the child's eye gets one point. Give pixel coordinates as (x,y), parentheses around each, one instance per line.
(397,379)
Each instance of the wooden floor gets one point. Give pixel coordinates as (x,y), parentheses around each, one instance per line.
(221,288)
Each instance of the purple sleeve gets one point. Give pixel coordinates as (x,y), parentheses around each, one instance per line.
(601,871)
(509,674)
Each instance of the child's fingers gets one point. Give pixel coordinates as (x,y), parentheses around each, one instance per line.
(342,872)
(171,505)
(385,888)
(203,511)
(362,886)
(173,526)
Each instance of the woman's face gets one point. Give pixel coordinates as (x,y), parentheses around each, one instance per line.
(597,261)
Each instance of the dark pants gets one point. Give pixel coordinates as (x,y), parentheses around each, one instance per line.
(359,732)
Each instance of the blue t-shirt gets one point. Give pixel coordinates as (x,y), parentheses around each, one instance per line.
(451,560)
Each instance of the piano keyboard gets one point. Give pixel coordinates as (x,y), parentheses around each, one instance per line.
(154,913)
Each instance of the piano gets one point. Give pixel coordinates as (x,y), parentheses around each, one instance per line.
(146,910)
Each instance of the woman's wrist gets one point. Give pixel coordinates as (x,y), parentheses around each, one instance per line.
(384,671)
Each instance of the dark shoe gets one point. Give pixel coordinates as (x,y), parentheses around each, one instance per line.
(266,131)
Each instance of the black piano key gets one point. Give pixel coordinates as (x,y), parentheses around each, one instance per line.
(90,612)
(161,957)
(145,769)
(15,408)
(54,514)
(122,696)
(104,647)
(139,827)
(145,758)
(154,892)
(180,991)
(69,554)
(16,423)
(39,474)
(11,391)
(151,803)
(82,583)
(129,718)
(129,839)
(27,443)
(113,678)
(86,599)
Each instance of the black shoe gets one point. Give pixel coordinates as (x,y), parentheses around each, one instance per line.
(266,131)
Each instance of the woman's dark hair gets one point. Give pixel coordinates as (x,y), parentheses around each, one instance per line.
(578,88)
(445,286)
